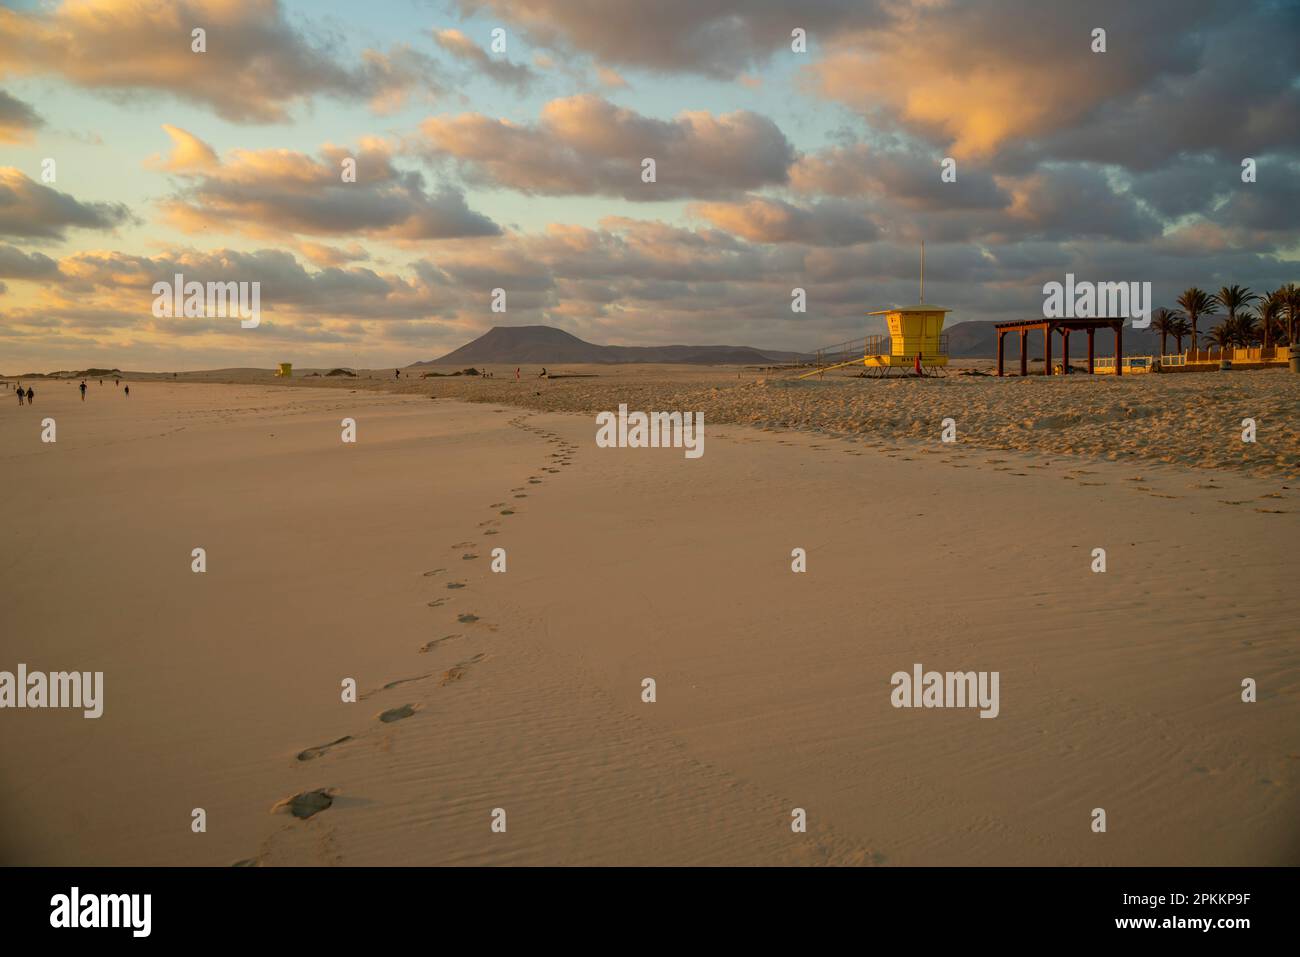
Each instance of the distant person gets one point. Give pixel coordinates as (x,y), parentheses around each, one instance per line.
(30,395)
(101,381)
(20,393)
(917,365)
(543,375)
(83,390)
(127,390)
(397,373)
(516,375)
(117,382)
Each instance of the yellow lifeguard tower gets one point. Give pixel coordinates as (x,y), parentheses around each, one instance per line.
(286,370)
(913,330)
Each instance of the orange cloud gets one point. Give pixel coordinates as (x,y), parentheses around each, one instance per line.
(189,153)
(278,191)
(34,211)
(587,145)
(255,65)
(17,120)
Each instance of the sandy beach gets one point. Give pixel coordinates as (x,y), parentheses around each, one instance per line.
(522,690)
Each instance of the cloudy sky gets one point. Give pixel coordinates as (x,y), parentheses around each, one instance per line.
(521,169)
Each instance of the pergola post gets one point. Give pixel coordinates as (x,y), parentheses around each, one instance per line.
(1047,349)
(1001,336)
(1024,358)
(1065,351)
(1091,368)
(1119,348)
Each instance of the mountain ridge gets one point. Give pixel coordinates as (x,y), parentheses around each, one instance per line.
(534,344)
(973,339)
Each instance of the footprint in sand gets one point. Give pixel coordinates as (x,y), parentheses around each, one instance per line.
(463,545)
(400,681)
(437,603)
(1224,501)
(430,645)
(320,749)
(457,671)
(307,803)
(1271,511)
(468,557)
(467,619)
(436,571)
(1092,483)
(455,584)
(521,495)
(507,511)
(496,504)
(490,531)
(396,714)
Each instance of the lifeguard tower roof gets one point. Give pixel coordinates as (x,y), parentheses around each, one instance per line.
(922,307)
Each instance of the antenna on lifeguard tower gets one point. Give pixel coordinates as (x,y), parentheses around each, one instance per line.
(922,270)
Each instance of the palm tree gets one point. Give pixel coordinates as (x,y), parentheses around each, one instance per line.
(1163,322)
(1223,335)
(1181,329)
(1234,299)
(1291,297)
(1197,303)
(1245,328)
(1271,309)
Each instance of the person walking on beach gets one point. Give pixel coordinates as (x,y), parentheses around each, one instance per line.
(83,390)
(543,375)
(128,392)
(917,366)
(397,373)
(30,395)
(20,393)
(117,382)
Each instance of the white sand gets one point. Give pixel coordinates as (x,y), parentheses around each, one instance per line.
(1118,690)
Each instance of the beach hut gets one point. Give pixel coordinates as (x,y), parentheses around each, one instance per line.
(286,370)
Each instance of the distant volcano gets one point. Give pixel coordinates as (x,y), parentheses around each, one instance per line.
(543,344)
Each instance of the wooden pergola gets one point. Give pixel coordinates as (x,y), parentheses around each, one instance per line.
(1064,327)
